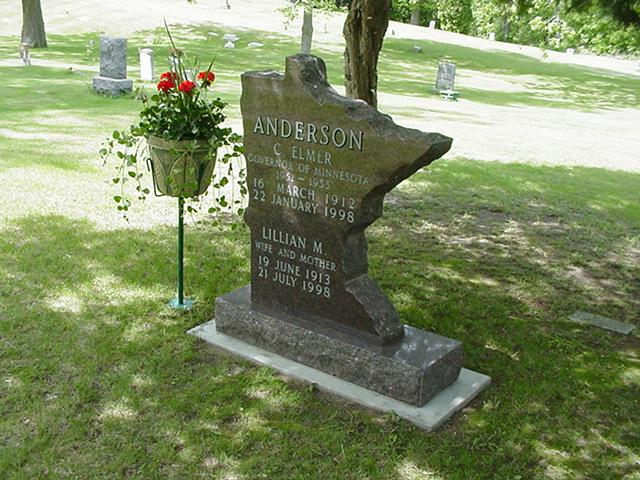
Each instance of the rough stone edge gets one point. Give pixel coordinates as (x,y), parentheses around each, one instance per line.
(428,417)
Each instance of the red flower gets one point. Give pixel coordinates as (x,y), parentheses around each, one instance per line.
(165,85)
(207,77)
(172,76)
(186,86)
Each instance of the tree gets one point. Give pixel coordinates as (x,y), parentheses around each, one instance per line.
(626,12)
(307,29)
(32,24)
(364,30)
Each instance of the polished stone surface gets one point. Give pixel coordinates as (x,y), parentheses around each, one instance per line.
(318,167)
(429,416)
(413,369)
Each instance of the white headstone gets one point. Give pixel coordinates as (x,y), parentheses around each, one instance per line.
(231,37)
(255,45)
(229,44)
(146,64)
(492,36)
(417,49)
(571,51)
(432,24)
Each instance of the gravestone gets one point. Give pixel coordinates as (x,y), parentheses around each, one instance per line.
(432,24)
(113,67)
(446,76)
(318,167)
(492,36)
(146,64)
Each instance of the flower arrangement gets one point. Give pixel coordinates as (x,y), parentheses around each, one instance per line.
(179,134)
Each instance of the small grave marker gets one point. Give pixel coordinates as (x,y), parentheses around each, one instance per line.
(446,77)
(432,24)
(602,322)
(146,64)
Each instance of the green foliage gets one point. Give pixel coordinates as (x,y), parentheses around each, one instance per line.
(598,26)
(401,10)
(455,16)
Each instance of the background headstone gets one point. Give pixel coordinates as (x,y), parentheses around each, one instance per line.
(318,167)
(446,76)
(113,67)
(492,36)
(113,57)
(432,24)
(146,64)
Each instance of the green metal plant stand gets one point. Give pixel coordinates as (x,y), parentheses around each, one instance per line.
(179,302)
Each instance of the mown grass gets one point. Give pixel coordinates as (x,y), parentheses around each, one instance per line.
(99,380)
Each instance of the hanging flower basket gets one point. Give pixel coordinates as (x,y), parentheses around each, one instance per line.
(181,168)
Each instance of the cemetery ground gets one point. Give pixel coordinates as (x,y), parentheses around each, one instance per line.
(98,377)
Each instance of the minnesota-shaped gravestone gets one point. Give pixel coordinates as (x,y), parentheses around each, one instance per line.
(318,167)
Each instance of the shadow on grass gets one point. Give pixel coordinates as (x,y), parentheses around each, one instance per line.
(99,375)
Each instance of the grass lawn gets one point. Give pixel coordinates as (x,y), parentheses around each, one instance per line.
(99,380)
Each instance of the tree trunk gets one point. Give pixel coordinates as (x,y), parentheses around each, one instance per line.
(364,31)
(32,24)
(307,29)
(415,15)
(505,28)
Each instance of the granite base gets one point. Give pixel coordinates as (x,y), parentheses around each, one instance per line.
(413,370)
(112,86)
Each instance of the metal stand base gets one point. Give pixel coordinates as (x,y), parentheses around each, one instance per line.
(186,304)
